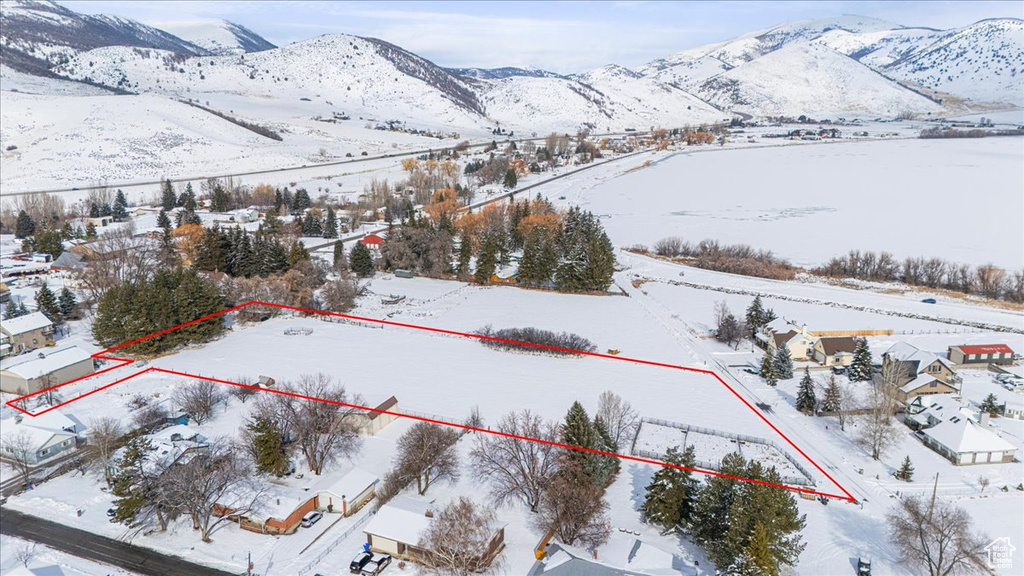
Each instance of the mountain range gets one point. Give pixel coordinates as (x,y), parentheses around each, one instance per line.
(848,65)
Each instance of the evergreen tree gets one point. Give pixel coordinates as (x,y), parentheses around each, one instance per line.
(510,178)
(106,210)
(712,509)
(67,303)
(768,369)
(90,231)
(129,484)
(187,200)
(465,255)
(340,261)
(991,405)
(46,300)
(163,221)
(268,446)
(486,261)
(120,209)
(755,316)
(94,210)
(670,497)
(540,257)
(860,368)
(756,558)
(805,399)
(605,467)
(831,402)
(297,254)
(361,262)
(587,255)
(783,363)
(48,241)
(301,200)
(220,199)
(14,310)
(25,226)
(769,316)
(906,471)
(579,431)
(66,232)
(331,224)
(212,251)
(278,201)
(168,199)
(311,226)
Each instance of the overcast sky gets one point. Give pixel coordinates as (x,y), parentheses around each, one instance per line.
(560,36)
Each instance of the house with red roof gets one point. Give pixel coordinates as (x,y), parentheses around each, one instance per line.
(372,241)
(981,354)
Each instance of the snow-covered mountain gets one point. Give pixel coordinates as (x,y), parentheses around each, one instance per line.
(219,36)
(810,79)
(980,63)
(38,34)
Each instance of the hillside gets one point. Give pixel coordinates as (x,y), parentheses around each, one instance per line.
(810,79)
(219,36)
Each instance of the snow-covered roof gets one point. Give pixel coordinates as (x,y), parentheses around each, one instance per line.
(778,325)
(276,502)
(39,429)
(621,556)
(26,323)
(906,352)
(352,484)
(403,519)
(31,366)
(963,435)
(919,381)
(184,433)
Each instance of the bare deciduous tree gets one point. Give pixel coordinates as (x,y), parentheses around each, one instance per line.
(19,451)
(115,258)
(574,507)
(148,415)
(104,438)
(321,420)
(199,399)
(339,295)
(213,485)
(618,416)
(25,554)
(460,539)
(242,393)
(515,468)
(879,430)
(427,453)
(936,537)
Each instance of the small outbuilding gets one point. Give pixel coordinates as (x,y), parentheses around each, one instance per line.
(32,373)
(350,492)
(981,354)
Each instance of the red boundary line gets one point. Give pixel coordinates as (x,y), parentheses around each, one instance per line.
(122,362)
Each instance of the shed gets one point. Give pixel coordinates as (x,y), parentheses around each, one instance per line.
(397,527)
(373,421)
(32,373)
(981,354)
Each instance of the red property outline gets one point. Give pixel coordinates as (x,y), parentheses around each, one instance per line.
(122,362)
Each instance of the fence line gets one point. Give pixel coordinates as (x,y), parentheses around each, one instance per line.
(337,541)
(808,480)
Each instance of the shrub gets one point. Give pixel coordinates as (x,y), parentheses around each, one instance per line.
(509,339)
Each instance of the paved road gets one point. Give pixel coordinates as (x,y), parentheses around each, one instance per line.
(99,548)
(356,160)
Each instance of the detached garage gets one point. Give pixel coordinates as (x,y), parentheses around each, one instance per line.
(34,372)
(981,354)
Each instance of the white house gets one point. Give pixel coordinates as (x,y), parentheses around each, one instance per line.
(964,441)
(350,492)
(797,339)
(622,555)
(38,438)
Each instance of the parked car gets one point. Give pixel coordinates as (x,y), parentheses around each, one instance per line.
(929,300)
(376,566)
(364,558)
(310,519)
(839,370)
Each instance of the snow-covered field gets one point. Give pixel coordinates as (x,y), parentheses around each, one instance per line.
(959,200)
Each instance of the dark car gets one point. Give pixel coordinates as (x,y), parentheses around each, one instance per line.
(929,300)
(364,558)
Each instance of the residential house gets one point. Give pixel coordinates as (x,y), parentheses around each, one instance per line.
(622,555)
(280,512)
(27,332)
(32,373)
(834,351)
(99,221)
(38,438)
(981,354)
(68,261)
(1013,407)
(172,445)
(964,441)
(956,431)
(350,492)
(921,372)
(398,527)
(779,333)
